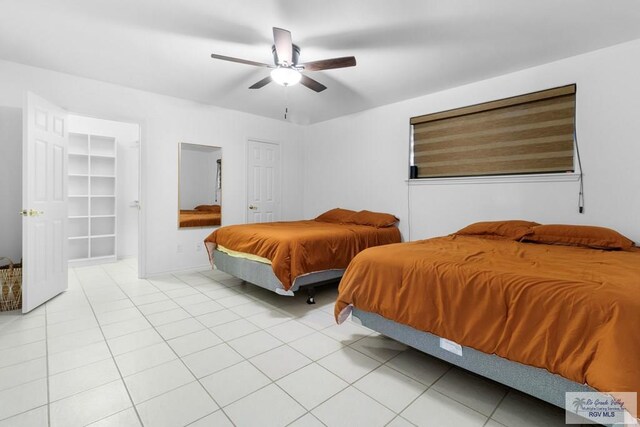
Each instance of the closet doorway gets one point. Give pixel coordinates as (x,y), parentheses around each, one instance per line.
(81,192)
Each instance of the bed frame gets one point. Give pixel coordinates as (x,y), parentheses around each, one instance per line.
(261,274)
(536,382)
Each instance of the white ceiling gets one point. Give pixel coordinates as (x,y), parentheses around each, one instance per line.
(404,48)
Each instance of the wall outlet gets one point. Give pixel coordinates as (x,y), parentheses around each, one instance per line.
(179,249)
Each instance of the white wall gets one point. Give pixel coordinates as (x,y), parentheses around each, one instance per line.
(165,121)
(197,175)
(361,161)
(10,183)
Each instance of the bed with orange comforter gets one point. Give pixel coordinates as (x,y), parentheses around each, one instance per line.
(298,248)
(282,256)
(574,311)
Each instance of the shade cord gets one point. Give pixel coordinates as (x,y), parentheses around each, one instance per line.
(580,178)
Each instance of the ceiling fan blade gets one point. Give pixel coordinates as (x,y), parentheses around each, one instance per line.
(261,83)
(312,84)
(327,64)
(284,45)
(240,61)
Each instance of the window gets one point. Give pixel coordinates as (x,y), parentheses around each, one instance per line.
(526,134)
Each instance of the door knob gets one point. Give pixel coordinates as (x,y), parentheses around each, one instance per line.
(31,212)
(253,207)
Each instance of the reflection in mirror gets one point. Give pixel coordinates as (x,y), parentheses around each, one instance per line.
(200,185)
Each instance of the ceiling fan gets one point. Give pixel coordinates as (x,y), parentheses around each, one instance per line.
(287,70)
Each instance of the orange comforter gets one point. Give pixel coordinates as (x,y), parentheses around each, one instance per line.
(300,247)
(573,311)
(193,218)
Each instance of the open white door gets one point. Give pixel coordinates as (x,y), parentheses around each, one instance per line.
(44,202)
(263,181)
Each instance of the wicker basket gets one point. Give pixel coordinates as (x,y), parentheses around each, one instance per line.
(10,286)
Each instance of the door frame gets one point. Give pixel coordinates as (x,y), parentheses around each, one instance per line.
(246,174)
(142,186)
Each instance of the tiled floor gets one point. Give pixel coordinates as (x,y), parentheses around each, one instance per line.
(204,349)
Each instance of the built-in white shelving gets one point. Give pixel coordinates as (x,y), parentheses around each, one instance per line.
(92,198)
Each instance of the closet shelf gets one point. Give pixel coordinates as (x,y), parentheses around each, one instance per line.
(100,236)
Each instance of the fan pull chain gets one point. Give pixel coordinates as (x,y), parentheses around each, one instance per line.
(286,103)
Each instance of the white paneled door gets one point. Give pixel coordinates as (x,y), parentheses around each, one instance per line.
(263,181)
(44,202)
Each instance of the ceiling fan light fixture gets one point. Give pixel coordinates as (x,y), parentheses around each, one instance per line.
(285,76)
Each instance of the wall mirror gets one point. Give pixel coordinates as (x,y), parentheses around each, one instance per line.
(199,185)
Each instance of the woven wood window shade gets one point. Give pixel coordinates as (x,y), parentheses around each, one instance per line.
(531,133)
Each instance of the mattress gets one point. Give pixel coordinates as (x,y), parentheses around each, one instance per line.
(572,311)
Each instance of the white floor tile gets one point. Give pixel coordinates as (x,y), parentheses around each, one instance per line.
(290,331)
(347,333)
(254,344)
(74,341)
(68,315)
(38,417)
(82,356)
(234,382)
(251,308)
(22,353)
(144,358)
(179,328)
(162,318)
(216,318)
(352,407)
(349,364)
(194,342)
(307,420)
(280,361)
(316,345)
(311,385)
(210,360)
(178,407)
(126,418)
(118,316)
(379,347)
(268,407)
(196,298)
(158,307)
(234,329)
(391,388)
(90,406)
(477,393)
(81,379)
(234,300)
(317,320)
(158,380)
(182,292)
(401,422)
(520,410)
(437,410)
(111,306)
(71,326)
(15,339)
(119,329)
(217,419)
(134,341)
(23,398)
(419,366)
(202,308)
(12,376)
(142,300)
(267,319)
